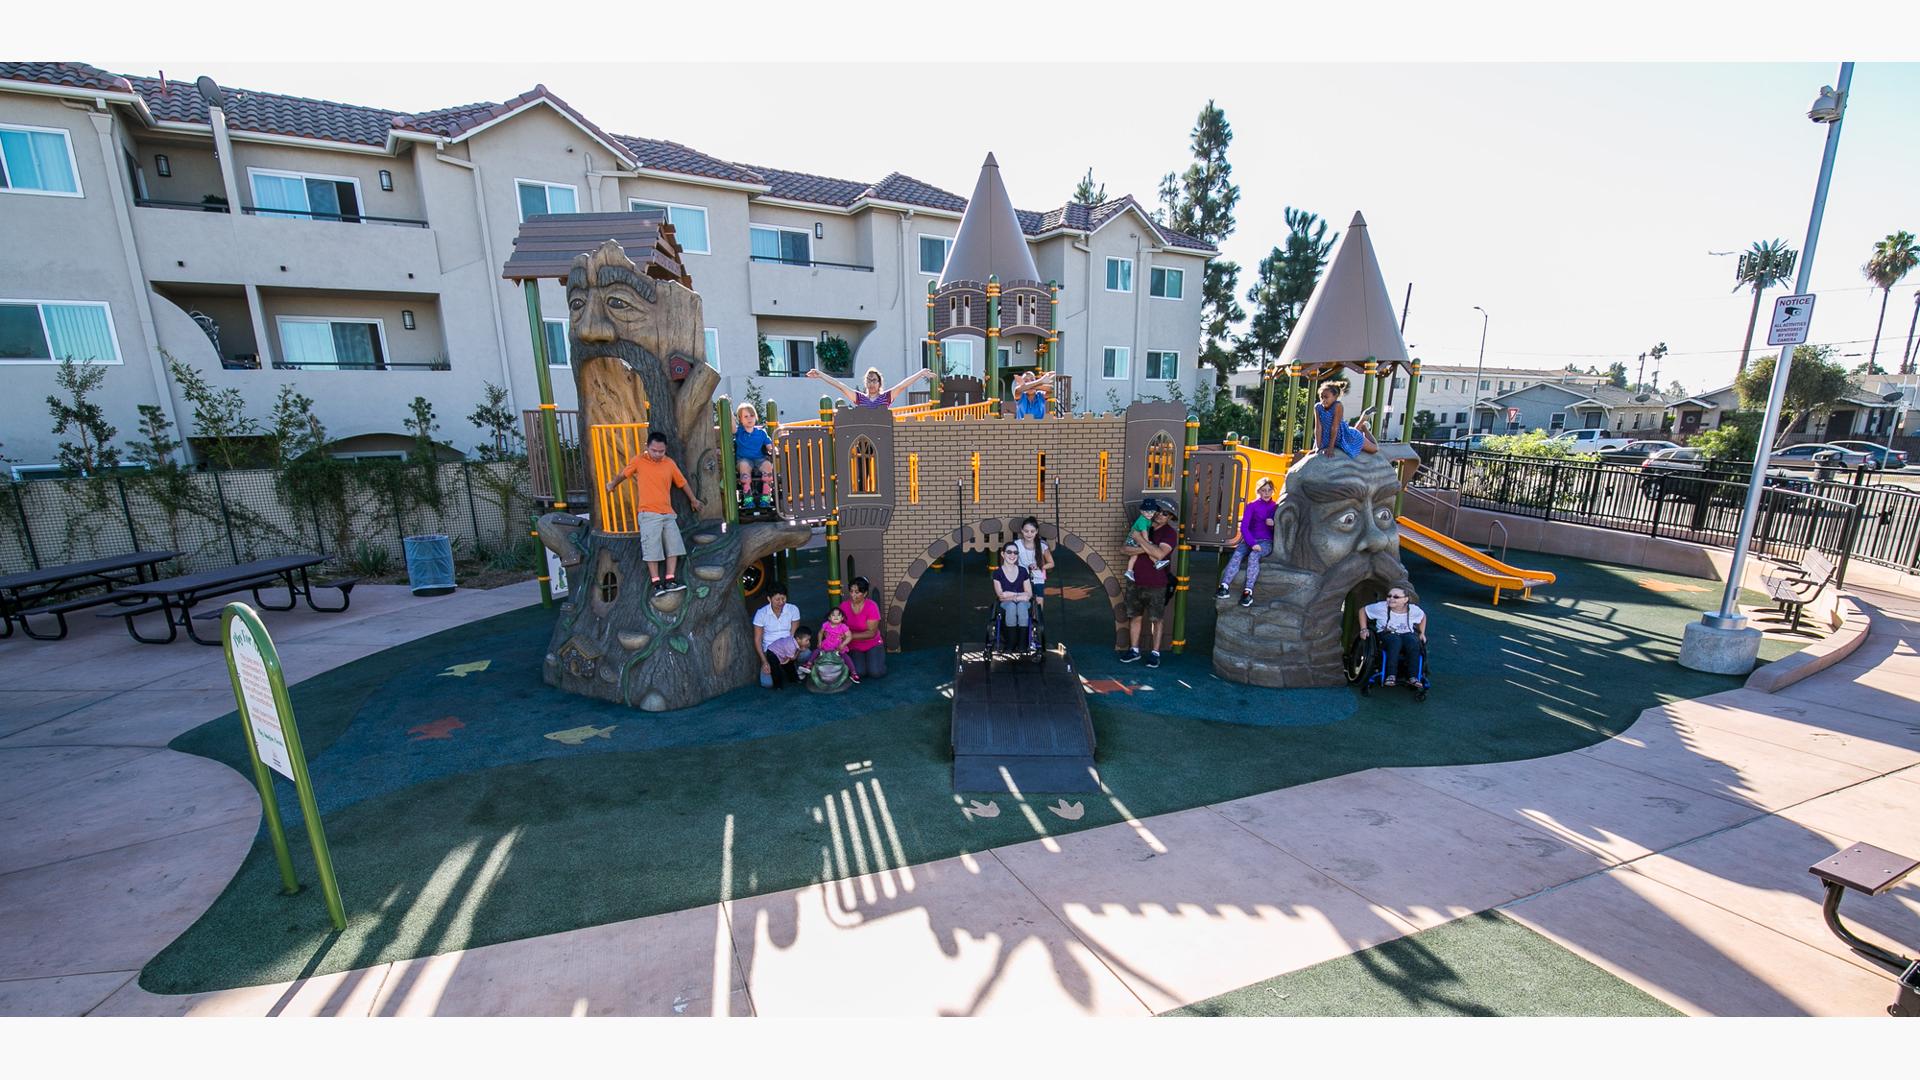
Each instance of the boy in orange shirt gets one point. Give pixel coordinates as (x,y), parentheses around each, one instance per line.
(654,478)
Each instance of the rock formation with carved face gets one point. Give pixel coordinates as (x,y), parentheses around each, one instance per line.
(1335,531)
(614,639)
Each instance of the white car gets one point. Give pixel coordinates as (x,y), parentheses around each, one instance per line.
(1592,440)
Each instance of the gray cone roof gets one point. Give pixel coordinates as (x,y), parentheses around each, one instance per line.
(1350,316)
(990,241)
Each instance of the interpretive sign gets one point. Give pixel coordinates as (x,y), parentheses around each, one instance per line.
(556,573)
(273,742)
(1791,317)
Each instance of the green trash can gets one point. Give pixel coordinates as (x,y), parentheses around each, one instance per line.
(429,564)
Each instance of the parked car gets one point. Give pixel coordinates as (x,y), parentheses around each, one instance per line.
(1821,456)
(1469,442)
(1883,457)
(1638,451)
(1658,479)
(1675,459)
(1591,440)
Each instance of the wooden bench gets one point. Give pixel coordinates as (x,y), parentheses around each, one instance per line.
(1794,587)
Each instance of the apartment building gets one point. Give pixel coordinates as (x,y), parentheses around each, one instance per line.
(354,252)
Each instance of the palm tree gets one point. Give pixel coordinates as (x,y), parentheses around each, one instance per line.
(1766,264)
(1891,260)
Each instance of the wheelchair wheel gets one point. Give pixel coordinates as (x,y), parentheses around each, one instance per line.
(1359,663)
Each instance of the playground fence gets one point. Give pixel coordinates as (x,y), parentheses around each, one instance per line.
(1847,519)
(216,519)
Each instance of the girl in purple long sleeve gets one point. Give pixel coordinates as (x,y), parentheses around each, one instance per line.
(1256,535)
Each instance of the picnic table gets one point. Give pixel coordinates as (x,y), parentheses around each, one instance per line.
(175,597)
(51,590)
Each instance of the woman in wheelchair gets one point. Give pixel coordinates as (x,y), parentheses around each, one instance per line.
(1013,589)
(1402,630)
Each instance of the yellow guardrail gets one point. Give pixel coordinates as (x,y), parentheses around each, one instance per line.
(613,445)
(979,410)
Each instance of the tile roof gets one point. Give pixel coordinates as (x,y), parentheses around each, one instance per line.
(63,73)
(363,125)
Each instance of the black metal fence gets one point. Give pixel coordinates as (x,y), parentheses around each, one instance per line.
(219,518)
(1850,518)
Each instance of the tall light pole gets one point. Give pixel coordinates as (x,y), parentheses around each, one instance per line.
(1721,641)
(1473,406)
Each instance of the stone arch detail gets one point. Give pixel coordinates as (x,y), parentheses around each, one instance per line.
(974,537)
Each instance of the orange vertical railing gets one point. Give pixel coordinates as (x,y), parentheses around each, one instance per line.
(613,446)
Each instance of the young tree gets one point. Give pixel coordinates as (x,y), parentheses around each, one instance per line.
(1814,383)
(1086,192)
(85,419)
(501,426)
(1766,264)
(421,424)
(1204,209)
(219,416)
(1892,258)
(156,446)
(1285,284)
(293,431)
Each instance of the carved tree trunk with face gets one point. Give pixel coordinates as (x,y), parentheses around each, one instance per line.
(614,639)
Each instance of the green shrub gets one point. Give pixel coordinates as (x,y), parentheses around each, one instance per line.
(369,560)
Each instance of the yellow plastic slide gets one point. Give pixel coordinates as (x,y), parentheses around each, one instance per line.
(1477,567)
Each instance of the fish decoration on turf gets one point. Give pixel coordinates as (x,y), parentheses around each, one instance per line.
(461,671)
(576,736)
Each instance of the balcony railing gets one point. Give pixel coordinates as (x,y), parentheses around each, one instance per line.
(318,215)
(779,261)
(165,204)
(388,365)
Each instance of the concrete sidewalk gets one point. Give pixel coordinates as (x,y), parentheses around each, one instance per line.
(1673,856)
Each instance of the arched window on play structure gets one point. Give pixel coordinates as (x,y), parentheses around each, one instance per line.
(1160,462)
(866,476)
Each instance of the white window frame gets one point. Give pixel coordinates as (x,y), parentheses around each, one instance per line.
(1111,259)
(779,343)
(1151,353)
(1126,363)
(379,325)
(711,334)
(359,197)
(73,165)
(975,346)
(672,206)
(566,360)
(918,257)
(521,212)
(119,358)
(1167,270)
(751,257)
(1556,421)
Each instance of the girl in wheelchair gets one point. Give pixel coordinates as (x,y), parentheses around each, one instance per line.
(1013,590)
(1399,628)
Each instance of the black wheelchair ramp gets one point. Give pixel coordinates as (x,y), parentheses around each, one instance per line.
(1020,723)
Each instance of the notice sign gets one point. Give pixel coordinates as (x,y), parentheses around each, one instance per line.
(557,574)
(256,697)
(1791,317)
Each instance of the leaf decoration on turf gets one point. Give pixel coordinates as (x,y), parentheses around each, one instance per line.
(461,671)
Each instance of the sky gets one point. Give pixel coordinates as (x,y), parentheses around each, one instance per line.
(1577,201)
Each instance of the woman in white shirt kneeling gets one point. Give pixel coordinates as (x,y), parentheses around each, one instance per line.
(1402,627)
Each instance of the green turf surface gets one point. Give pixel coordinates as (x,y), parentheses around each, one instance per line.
(1481,965)
(455,822)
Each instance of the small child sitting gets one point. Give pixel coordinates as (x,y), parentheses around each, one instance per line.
(752,449)
(1255,539)
(835,636)
(803,651)
(1137,536)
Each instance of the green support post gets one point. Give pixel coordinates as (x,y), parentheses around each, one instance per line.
(729,465)
(549,423)
(1413,390)
(993,336)
(833,507)
(1266,407)
(1369,377)
(933,352)
(1293,405)
(1183,559)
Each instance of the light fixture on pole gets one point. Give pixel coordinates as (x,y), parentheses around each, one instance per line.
(1721,641)
(1473,415)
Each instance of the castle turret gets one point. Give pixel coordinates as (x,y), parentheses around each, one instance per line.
(990,291)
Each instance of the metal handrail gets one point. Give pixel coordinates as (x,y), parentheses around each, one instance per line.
(305,365)
(780,260)
(1447,510)
(320,215)
(1505,538)
(168,204)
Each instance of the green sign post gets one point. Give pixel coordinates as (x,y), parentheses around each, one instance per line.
(273,741)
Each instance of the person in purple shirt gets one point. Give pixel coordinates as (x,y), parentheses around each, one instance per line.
(874,396)
(1256,535)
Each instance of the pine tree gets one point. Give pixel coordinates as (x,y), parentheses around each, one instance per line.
(1169,200)
(1203,209)
(1286,282)
(1086,192)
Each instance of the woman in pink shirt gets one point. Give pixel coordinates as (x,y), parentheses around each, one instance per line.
(868,649)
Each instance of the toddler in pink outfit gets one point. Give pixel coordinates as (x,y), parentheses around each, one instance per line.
(835,635)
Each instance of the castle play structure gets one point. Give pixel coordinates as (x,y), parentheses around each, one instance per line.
(896,490)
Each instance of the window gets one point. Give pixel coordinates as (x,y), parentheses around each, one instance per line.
(689,224)
(958,353)
(1483,384)
(43,332)
(1636,421)
(933,253)
(557,353)
(792,357)
(866,479)
(332,343)
(540,197)
(37,161)
(1166,284)
(768,243)
(1006,356)
(1119,275)
(1459,418)
(299,195)
(1558,421)
(1114,361)
(1160,463)
(712,337)
(1163,365)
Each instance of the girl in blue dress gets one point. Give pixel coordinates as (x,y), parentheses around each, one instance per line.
(1331,430)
